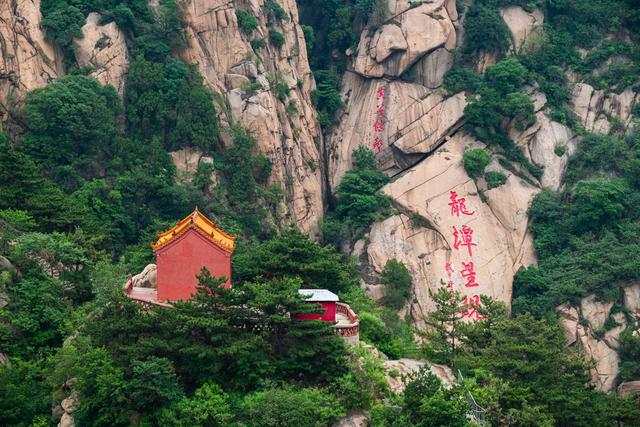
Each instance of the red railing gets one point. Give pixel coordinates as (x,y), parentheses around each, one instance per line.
(353,328)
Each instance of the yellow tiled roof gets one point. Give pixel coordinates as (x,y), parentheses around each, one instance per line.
(202,224)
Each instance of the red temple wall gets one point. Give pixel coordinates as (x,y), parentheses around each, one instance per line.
(329,314)
(179,262)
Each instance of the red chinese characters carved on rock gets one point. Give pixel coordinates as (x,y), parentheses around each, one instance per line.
(378,125)
(449,271)
(466,240)
(469,307)
(469,274)
(458,205)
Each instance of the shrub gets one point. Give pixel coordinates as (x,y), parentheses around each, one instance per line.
(559,150)
(246,21)
(495,179)
(257,44)
(275,11)
(397,280)
(360,202)
(326,97)
(475,161)
(485,29)
(276,38)
(291,407)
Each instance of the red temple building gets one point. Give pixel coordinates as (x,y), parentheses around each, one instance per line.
(327,301)
(196,242)
(181,252)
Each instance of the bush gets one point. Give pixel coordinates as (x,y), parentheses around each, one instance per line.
(485,29)
(291,407)
(258,44)
(495,179)
(275,12)
(397,281)
(276,38)
(475,161)
(246,21)
(326,96)
(360,202)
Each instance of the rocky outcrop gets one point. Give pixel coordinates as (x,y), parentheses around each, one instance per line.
(148,278)
(406,37)
(355,419)
(423,235)
(549,144)
(268,92)
(187,160)
(587,327)
(28,60)
(629,388)
(399,373)
(595,312)
(599,111)
(632,299)
(103,49)
(400,121)
(522,25)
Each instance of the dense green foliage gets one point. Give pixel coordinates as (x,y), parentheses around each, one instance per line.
(397,281)
(360,202)
(90,181)
(475,161)
(585,236)
(520,369)
(494,179)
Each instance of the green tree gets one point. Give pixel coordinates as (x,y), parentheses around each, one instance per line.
(294,254)
(290,407)
(71,124)
(360,202)
(24,187)
(475,161)
(397,281)
(445,325)
(427,402)
(209,407)
(153,384)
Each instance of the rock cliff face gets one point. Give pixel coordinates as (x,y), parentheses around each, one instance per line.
(28,60)
(268,92)
(586,326)
(414,128)
(103,48)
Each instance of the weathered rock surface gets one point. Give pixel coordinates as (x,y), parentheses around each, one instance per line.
(549,144)
(285,127)
(355,419)
(104,49)
(629,388)
(147,279)
(407,119)
(632,299)
(569,319)
(499,229)
(606,359)
(595,107)
(522,24)
(407,36)
(67,421)
(399,372)
(586,328)
(187,160)
(594,311)
(28,60)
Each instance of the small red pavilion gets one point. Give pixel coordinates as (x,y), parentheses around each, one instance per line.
(182,251)
(327,301)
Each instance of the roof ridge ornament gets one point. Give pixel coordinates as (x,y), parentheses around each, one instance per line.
(201,224)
